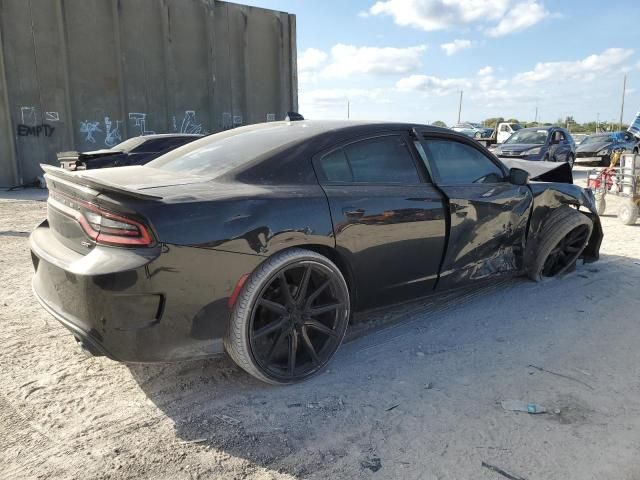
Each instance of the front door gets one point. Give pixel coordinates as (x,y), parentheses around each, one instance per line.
(488,215)
(389,220)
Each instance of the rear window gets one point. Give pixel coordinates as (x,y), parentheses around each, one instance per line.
(219,154)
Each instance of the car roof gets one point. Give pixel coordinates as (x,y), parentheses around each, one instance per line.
(170,135)
(300,131)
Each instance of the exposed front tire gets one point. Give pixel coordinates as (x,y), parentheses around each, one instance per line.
(289,318)
(628,213)
(562,239)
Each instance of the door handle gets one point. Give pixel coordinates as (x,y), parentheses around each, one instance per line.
(353,212)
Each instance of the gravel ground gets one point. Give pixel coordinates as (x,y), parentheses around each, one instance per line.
(417,396)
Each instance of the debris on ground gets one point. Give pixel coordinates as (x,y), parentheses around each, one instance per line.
(522,406)
(502,472)
(373,463)
(561,375)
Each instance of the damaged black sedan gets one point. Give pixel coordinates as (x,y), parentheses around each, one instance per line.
(263,240)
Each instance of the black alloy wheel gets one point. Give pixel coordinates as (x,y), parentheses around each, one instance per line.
(298,321)
(566,252)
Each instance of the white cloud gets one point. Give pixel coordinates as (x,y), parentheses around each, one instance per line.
(500,16)
(585,69)
(348,60)
(432,85)
(311,59)
(520,17)
(488,70)
(455,46)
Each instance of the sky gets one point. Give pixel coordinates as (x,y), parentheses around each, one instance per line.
(408,60)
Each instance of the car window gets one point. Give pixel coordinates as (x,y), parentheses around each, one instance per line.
(335,167)
(381,160)
(151,145)
(457,163)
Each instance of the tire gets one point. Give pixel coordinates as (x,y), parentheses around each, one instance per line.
(601,204)
(563,237)
(477,135)
(290,314)
(628,213)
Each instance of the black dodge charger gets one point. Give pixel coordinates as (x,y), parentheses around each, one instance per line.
(263,240)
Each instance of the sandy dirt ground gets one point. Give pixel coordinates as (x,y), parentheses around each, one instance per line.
(416,396)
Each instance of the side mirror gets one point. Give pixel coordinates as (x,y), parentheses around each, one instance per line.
(518,176)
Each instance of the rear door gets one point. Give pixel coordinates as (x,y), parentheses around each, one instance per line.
(388,218)
(559,147)
(487,214)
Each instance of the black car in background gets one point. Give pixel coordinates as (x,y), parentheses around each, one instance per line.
(597,148)
(263,240)
(547,144)
(134,151)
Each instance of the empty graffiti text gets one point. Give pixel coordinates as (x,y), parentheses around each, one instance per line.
(35,130)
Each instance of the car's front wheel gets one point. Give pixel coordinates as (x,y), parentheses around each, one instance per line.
(560,243)
(289,318)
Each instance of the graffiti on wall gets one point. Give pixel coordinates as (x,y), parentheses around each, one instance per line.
(89,129)
(35,130)
(52,116)
(31,125)
(112,134)
(140,120)
(189,124)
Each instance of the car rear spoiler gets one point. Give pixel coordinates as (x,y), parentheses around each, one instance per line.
(78,178)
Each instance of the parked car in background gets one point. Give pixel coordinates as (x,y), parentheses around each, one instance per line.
(134,151)
(473,130)
(263,240)
(500,134)
(547,144)
(597,148)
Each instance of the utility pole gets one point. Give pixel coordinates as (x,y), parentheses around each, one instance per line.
(624,88)
(460,106)
(348,109)
(536,119)
(597,122)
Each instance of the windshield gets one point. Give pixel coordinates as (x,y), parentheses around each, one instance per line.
(129,144)
(515,127)
(530,137)
(218,154)
(599,139)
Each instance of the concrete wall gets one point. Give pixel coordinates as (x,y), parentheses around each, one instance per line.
(87,74)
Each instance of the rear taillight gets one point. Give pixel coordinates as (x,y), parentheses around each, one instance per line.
(101,225)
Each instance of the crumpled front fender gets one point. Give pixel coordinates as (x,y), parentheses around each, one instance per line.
(549,196)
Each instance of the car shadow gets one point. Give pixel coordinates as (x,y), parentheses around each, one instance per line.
(215,403)
(397,357)
(290,429)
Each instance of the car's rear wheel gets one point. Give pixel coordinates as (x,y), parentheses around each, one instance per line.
(290,317)
(564,236)
(628,213)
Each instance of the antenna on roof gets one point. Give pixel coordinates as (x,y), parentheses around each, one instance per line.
(293,117)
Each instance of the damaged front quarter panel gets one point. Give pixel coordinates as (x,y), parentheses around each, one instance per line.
(549,196)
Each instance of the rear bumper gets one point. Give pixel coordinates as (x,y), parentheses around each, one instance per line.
(138,306)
